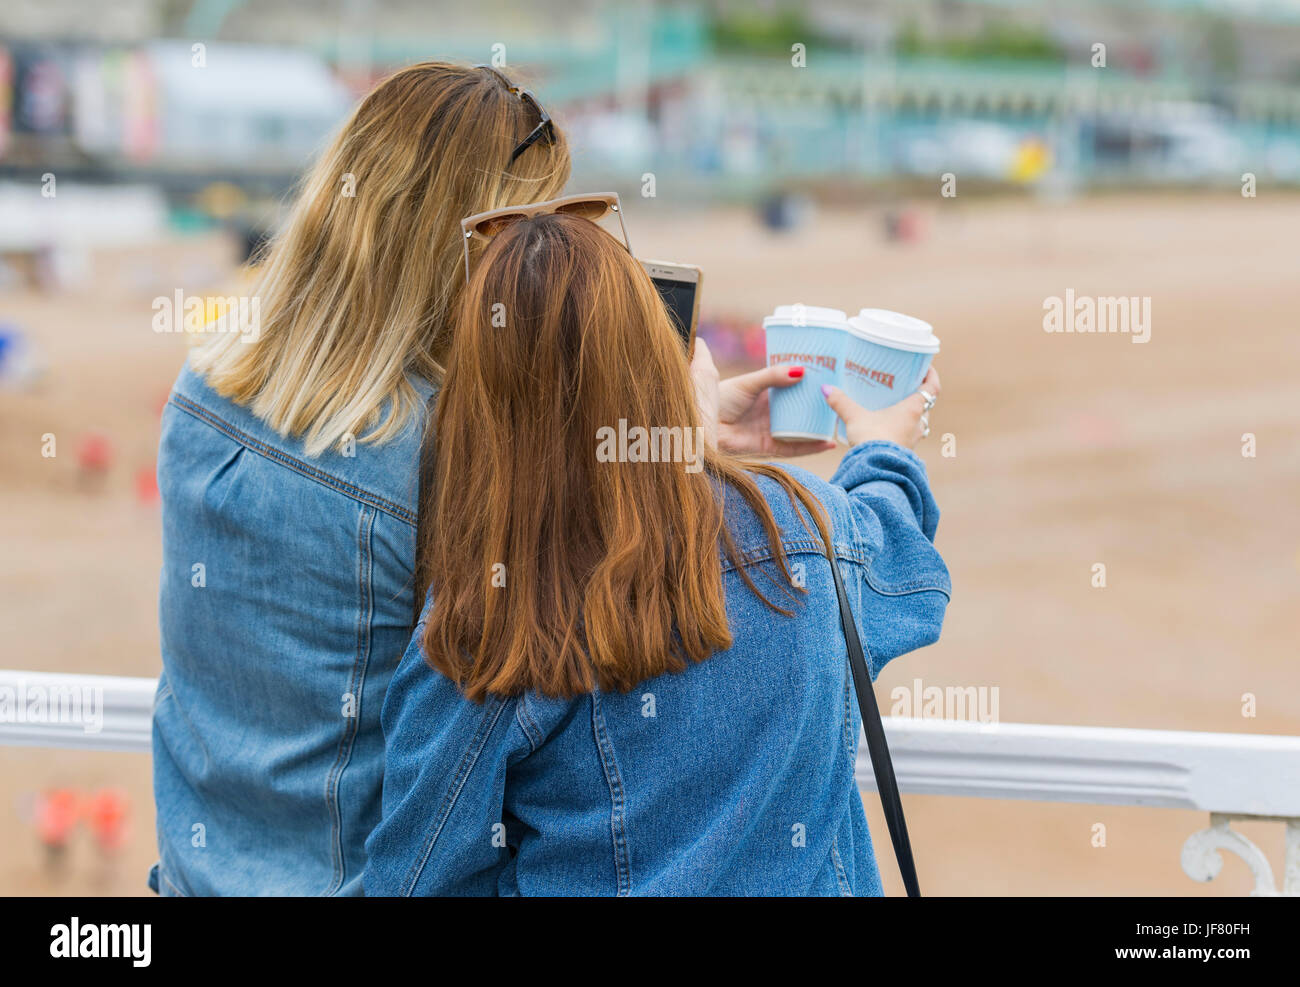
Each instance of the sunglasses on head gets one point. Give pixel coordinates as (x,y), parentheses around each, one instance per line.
(486,225)
(545,129)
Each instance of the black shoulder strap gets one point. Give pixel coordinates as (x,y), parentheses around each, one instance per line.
(876,744)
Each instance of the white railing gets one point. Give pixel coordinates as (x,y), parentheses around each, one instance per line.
(1230,776)
(90,712)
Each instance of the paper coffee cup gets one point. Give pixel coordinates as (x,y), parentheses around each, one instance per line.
(886,357)
(813,338)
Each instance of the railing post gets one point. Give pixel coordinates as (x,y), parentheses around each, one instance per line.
(1202,861)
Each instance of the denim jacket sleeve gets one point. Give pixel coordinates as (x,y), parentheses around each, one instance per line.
(442,831)
(888,517)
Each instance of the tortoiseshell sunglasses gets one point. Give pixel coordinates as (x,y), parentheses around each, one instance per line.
(486,225)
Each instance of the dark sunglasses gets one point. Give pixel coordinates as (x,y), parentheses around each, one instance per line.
(545,129)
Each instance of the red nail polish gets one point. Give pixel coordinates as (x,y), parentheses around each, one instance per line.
(796,372)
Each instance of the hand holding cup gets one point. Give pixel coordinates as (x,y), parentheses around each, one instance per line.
(904,423)
(737,411)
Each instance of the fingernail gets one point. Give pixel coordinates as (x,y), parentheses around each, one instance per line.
(826,390)
(796,372)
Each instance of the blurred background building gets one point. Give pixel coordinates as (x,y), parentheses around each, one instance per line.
(205,112)
(1179,91)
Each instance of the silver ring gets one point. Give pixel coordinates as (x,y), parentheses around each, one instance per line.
(930,399)
(925,425)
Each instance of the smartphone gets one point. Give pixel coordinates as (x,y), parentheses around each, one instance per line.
(679,286)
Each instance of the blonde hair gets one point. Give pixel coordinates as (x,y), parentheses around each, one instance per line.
(358,289)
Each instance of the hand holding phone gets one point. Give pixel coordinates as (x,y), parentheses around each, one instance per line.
(679,287)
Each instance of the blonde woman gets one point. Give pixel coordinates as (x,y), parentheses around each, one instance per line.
(287,469)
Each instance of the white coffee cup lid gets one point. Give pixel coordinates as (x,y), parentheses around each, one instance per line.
(902,332)
(809,316)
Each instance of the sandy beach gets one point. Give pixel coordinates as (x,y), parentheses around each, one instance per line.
(1071,450)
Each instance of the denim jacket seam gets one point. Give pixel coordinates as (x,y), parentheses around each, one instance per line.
(164,869)
(846,891)
(356,686)
(161,695)
(863,557)
(764,553)
(849,739)
(297,465)
(467,764)
(926,583)
(609,764)
(907,588)
(527,724)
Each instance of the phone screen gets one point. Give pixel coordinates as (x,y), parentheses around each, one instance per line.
(679,299)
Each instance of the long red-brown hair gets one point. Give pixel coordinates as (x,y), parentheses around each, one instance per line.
(554,569)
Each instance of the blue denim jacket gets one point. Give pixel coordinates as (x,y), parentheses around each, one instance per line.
(734,777)
(286,601)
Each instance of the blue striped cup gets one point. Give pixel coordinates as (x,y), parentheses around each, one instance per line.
(887,357)
(813,338)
